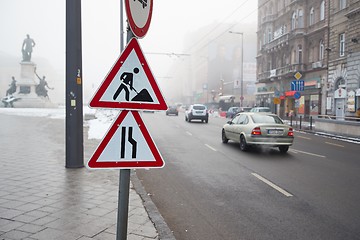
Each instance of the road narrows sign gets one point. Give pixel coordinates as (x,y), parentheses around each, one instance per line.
(139,14)
(130,84)
(126,145)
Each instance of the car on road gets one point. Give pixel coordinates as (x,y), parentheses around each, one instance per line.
(245,109)
(258,129)
(198,112)
(232,111)
(260,109)
(172,110)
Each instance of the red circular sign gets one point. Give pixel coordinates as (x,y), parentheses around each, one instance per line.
(139,16)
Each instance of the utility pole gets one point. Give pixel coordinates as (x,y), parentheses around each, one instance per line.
(74,102)
(241,67)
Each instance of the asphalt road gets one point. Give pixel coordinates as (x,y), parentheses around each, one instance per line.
(210,190)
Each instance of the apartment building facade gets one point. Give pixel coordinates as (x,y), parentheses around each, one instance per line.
(308,57)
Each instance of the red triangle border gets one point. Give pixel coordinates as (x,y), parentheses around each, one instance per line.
(158,163)
(96,100)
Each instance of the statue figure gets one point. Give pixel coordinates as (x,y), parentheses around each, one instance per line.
(27,48)
(12,87)
(40,89)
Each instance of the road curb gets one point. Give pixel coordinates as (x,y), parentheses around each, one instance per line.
(324,134)
(163,230)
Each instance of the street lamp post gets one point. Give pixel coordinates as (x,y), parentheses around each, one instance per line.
(241,67)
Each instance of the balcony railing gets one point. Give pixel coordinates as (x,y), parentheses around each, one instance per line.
(276,42)
(269,18)
(290,69)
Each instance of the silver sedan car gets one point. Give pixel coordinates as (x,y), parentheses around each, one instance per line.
(249,128)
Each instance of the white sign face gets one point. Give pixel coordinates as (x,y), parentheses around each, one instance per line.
(139,15)
(128,82)
(140,11)
(357,92)
(328,103)
(126,145)
(340,93)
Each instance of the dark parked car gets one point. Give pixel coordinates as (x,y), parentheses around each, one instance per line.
(172,110)
(245,109)
(231,112)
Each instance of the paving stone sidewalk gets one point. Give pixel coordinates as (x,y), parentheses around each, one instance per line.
(41,199)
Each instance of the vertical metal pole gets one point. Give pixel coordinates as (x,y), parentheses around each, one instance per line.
(121,26)
(74,101)
(242,71)
(124,180)
(123,204)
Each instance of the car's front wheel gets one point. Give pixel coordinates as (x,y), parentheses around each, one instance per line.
(223,137)
(283,149)
(243,145)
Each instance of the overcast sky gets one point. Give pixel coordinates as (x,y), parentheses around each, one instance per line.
(44,20)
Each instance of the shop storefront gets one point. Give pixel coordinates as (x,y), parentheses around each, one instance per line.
(309,102)
(357,98)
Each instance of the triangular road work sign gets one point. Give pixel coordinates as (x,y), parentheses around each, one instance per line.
(127,145)
(130,84)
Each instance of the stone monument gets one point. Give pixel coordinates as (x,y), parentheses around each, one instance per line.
(26,85)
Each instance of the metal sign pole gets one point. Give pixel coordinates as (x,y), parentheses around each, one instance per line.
(123,204)
(124,181)
(74,95)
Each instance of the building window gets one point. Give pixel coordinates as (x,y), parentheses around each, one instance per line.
(342,4)
(312,17)
(264,38)
(301,19)
(293,21)
(299,58)
(269,35)
(322,10)
(340,82)
(342,44)
(321,50)
(311,52)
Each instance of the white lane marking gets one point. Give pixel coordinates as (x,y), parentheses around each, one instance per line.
(189,133)
(334,144)
(279,189)
(307,138)
(312,154)
(211,147)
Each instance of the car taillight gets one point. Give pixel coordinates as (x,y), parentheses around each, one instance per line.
(256,131)
(291,132)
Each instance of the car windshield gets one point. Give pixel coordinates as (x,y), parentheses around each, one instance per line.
(260,110)
(266,119)
(197,107)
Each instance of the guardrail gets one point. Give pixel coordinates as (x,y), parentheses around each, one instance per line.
(344,126)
